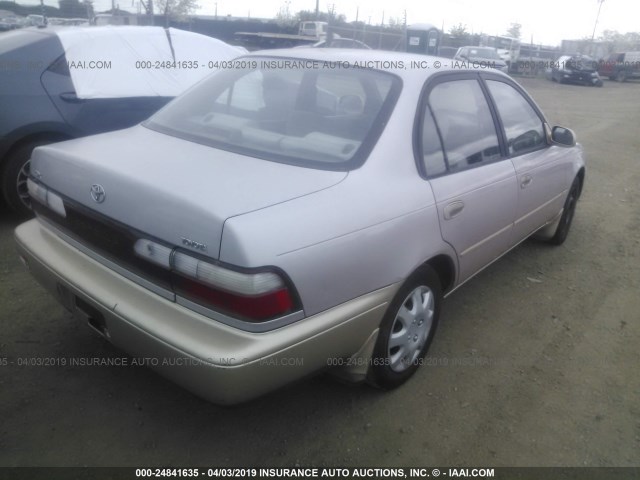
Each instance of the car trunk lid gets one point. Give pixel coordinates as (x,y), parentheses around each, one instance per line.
(174,190)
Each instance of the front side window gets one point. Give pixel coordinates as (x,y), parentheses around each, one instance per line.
(522,125)
(306,116)
(464,123)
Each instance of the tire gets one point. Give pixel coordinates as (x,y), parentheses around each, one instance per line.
(15,172)
(564,225)
(406,330)
(621,76)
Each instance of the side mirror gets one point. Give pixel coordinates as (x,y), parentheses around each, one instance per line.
(563,136)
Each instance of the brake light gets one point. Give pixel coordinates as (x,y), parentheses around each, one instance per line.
(253,296)
(251,308)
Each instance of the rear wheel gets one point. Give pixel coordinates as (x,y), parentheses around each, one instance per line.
(564,225)
(407,330)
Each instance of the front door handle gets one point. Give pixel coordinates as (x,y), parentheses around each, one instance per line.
(453,209)
(525,181)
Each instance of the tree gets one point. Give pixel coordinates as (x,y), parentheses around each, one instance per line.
(72,9)
(284,17)
(330,17)
(175,9)
(621,41)
(396,23)
(459,30)
(514,30)
(88,5)
(458,36)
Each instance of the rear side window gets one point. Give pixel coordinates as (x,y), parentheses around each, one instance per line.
(463,122)
(523,127)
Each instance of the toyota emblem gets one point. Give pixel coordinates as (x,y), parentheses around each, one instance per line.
(97,193)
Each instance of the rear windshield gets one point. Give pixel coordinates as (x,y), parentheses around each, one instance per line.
(484,53)
(291,111)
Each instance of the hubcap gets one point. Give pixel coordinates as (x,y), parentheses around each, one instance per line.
(410,329)
(21,185)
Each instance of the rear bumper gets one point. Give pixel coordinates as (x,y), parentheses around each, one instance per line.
(218,362)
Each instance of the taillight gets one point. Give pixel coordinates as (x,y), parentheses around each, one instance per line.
(251,308)
(250,296)
(42,194)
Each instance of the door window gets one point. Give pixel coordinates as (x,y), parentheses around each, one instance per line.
(523,127)
(463,122)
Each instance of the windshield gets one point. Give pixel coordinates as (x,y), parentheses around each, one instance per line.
(287,110)
(584,63)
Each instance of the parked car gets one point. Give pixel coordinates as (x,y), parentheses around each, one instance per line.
(620,66)
(255,231)
(66,82)
(447,52)
(481,57)
(10,22)
(576,69)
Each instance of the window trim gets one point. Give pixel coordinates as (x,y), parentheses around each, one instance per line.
(486,76)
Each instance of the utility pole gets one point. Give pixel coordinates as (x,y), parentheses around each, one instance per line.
(597,17)
(44,15)
(317,9)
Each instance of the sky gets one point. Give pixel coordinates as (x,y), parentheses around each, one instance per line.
(548,21)
(545,21)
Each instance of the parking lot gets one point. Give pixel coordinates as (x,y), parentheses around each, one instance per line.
(535,362)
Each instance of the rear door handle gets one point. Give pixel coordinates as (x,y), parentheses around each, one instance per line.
(525,181)
(453,209)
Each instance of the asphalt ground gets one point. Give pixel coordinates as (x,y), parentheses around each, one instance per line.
(535,362)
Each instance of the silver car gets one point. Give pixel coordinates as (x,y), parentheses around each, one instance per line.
(307,210)
(481,57)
